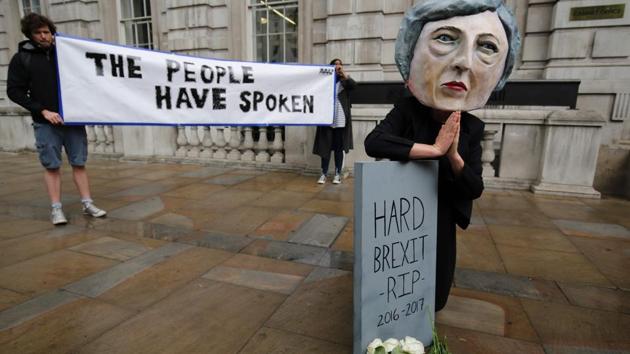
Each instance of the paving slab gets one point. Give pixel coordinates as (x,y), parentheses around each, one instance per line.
(567,325)
(268,281)
(222,320)
(64,329)
(531,237)
(551,265)
(50,271)
(338,260)
(96,284)
(15,227)
(345,241)
(516,218)
(113,248)
(329,207)
(195,191)
(283,199)
(321,273)
(138,210)
(286,251)
(34,307)
(205,172)
(157,282)
(232,243)
(473,314)
(225,200)
(240,221)
(562,349)
(321,230)
(274,341)
(165,232)
(228,179)
(319,309)
(175,220)
(245,261)
(507,284)
(464,341)
(9,298)
(615,300)
(283,225)
(476,250)
(609,256)
(591,229)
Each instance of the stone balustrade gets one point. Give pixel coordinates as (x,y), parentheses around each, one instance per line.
(248,144)
(552,151)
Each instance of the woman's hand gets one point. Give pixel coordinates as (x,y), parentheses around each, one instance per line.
(457,163)
(446,136)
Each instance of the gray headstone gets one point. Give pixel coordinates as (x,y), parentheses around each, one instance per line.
(395,210)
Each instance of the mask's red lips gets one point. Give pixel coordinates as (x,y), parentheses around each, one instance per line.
(456,85)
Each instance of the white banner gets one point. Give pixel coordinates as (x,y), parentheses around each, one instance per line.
(103,83)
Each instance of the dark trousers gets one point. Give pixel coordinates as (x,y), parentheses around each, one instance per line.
(337,147)
(446,255)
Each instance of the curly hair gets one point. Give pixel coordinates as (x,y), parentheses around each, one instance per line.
(33,21)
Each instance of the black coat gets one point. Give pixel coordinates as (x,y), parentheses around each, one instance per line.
(32,80)
(410,122)
(323,135)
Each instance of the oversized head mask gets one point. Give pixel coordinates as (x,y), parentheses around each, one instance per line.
(458,61)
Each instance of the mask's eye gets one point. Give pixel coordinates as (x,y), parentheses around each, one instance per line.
(444,38)
(489,47)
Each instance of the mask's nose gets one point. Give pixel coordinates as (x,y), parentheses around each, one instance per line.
(463,59)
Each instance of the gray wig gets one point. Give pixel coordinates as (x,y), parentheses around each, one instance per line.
(436,10)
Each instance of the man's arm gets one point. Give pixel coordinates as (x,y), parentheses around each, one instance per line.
(18,86)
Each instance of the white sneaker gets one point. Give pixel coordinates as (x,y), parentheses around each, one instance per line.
(57,217)
(92,210)
(337,179)
(322,179)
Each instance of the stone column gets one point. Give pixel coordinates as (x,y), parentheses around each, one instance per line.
(487,155)
(235,142)
(207,143)
(194,143)
(220,144)
(569,158)
(262,145)
(248,146)
(181,141)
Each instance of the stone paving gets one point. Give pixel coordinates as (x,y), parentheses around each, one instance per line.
(198,259)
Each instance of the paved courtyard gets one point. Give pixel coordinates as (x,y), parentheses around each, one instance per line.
(198,259)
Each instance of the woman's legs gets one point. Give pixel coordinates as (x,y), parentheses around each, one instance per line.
(337,147)
(446,255)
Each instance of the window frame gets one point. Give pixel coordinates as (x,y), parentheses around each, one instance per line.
(22,8)
(254,6)
(134,22)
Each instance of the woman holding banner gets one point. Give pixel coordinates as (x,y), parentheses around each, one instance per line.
(452,54)
(338,136)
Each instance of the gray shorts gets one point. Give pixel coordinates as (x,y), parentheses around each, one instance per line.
(49,139)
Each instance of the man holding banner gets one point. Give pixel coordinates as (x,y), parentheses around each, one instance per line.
(32,83)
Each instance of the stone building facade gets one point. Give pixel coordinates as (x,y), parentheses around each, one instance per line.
(562,39)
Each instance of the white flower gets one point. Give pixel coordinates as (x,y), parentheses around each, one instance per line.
(390,344)
(374,345)
(411,345)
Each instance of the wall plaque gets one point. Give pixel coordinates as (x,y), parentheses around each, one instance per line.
(603,12)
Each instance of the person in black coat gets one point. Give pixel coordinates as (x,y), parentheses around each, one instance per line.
(338,136)
(452,54)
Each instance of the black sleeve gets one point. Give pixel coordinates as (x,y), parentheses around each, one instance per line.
(348,83)
(387,141)
(469,183)
(18,86)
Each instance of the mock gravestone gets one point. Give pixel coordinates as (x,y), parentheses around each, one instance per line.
(395,230)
